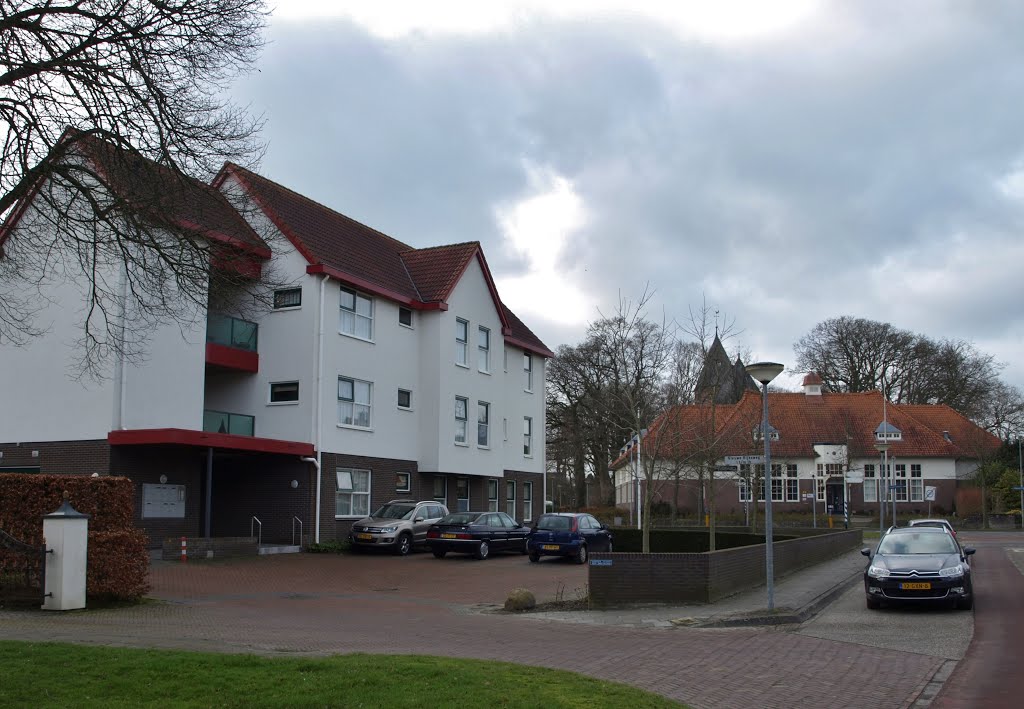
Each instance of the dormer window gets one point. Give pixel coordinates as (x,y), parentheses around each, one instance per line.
(773,433)
(887,433)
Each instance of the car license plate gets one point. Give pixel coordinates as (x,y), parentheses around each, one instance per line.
(550,547)
(915,586)
(448,536)
(364,536)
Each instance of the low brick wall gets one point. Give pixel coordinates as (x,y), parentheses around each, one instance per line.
(627,579)
(200,548)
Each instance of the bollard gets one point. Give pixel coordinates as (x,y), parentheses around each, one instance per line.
(184,550)
(707,520)
(830,521)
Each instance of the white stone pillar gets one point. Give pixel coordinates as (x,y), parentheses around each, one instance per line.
(66,533)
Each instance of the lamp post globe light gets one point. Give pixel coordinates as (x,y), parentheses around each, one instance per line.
(764,372)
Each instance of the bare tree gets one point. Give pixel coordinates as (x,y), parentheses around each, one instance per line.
(142,86)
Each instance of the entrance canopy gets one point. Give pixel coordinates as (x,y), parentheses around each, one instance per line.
(205,439)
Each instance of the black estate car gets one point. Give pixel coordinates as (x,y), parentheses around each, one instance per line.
(476,533)
(918,564)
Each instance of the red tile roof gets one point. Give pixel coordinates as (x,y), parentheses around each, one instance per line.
(806,420)
(368,259)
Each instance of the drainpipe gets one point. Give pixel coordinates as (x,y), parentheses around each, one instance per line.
(316,464)
(317,405)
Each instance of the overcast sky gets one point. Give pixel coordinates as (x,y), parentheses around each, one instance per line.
(786,161)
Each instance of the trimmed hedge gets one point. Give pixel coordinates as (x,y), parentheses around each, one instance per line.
(118,560)
(683,541)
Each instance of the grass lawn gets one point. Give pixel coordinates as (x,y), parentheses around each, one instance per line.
(63,675)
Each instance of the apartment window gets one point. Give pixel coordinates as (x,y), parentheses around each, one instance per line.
(483,346)
(901,483)
(289,298)
(404,399)
(916,484)
(527,435)
(462,494)
(352,498)
(870,485)
(527,502)
(356,314)
(792,484)
(492,495)
(403,482)
(284,392)
(528,370)
(510,498)
(441,490)
(461,342)
(354,402)
(461,406)
(405,316)
(744,490)
(483,419)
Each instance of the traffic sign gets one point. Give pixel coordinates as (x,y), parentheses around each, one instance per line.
(726,468)
(1018,487)
(929,493)
(808,497)
(744,459)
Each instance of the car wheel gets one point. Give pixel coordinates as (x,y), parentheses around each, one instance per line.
(404,545)
(438,554)
(581,554)
(534,557)
(483,550)
(873,605)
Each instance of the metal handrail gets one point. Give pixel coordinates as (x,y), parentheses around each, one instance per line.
(294,520)
(252,523)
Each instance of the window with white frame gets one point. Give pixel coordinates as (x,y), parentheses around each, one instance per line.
(462,342)
(462,494)
(356,314)
(404,399)
(778,485)
(744,489)
(744,483)
(870,484)
(352,496)
(404,316)
(819,489)
(483,420)
(403,482)
(461,416)
(492,495)
(483,347)
(354,402)
(527,436)
(916,483)
(510,498)
(528,370)
(288,298)
(792,484)
(284,392)
(441,489)
(901,482)
(527,502)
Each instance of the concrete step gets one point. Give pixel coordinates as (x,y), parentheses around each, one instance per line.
(280,549)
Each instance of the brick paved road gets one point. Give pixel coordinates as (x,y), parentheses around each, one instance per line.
(320,604)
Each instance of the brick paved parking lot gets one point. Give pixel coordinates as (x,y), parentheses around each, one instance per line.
(378,604)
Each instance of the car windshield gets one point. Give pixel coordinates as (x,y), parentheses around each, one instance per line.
(554,522)
(391,511)
(922,543)
(459,518)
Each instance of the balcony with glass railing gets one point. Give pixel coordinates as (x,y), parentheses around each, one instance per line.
(231,343)
(225,422)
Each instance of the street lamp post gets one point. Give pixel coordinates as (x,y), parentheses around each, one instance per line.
(764,372)
(1020,467)
(883,485)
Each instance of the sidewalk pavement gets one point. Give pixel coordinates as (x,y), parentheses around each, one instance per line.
(798,597)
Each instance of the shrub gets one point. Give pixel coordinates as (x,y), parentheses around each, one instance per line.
(329,547)
(118,565)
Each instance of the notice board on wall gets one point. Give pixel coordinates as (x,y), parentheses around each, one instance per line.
(163,501)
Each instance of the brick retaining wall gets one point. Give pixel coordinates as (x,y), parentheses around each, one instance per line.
(200,548)
(634,578)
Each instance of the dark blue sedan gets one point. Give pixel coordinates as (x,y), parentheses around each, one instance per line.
(568,534)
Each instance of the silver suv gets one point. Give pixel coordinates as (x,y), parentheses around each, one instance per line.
(397,525)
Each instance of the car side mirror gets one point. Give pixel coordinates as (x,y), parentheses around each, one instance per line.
(603,526)
(866,552)
(969,550)
(419,519)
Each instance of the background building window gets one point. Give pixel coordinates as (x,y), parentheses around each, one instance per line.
(461,405)
(901,483)
(404,399)
(527,435)
(354,402)
(916,484)
(510,498)
(492,495)
(356,314)
(289,298)
(792,484)
(405,317)
(441,489)
(483,349)
(284,392)
(352,498)
(483,418)
(870,485)
(461,342)
(403,482)
(527,502)
(528,370)
(462,494)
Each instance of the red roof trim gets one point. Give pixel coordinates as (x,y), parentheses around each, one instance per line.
(224,441)
(490,286)
(369,287)
(543,352)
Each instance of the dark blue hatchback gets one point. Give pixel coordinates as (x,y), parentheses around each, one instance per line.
(568,534)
